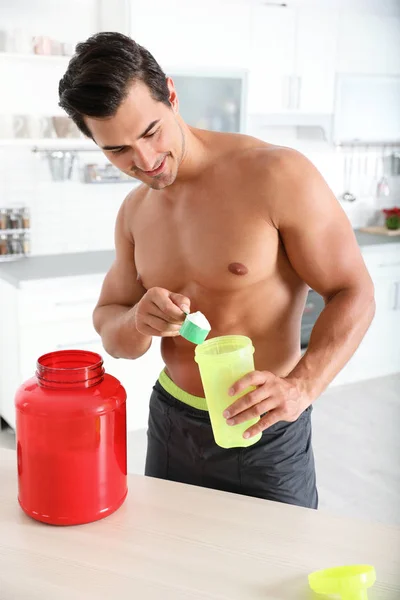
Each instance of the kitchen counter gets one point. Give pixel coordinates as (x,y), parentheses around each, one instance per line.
(88,263)
(372,239)
(182,542)
(56,265)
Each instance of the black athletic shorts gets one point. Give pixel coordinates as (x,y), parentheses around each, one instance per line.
(181,448)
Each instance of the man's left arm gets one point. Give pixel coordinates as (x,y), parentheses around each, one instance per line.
(322,249)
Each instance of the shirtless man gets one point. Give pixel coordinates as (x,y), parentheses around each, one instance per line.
(239,230)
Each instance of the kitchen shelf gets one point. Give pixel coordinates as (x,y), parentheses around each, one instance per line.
(370,143)
(50,58)
(12,257)
(51,144)
(13,231)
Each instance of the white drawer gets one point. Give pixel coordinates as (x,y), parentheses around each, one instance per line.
(382,257)
(55,300)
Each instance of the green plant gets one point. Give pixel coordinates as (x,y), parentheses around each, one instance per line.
(392,216)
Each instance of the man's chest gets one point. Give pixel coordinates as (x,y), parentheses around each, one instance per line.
(216,248)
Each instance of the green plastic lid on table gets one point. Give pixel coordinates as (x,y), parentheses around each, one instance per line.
(347,583)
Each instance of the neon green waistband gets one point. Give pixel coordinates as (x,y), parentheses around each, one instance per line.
(175,391)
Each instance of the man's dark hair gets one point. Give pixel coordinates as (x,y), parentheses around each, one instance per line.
(100,74)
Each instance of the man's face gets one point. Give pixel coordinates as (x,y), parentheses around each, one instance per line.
(144,139)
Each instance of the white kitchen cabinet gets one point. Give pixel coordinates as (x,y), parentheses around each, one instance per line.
(369,44)
(293,58)
(377,96)
(272,58)
(379,352)
(193,34)
(56,314)
(315,60)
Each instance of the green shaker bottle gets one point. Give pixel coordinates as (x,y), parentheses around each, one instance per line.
(223,361)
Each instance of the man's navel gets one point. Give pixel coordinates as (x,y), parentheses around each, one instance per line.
(238,268)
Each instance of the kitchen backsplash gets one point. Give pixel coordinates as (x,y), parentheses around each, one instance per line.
(73,216)
(66,216)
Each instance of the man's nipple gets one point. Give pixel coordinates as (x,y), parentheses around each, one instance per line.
(238,268)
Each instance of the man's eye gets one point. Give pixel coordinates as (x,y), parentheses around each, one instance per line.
(119,151)
(149,135)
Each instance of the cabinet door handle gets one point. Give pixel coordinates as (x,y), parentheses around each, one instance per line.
(286,91)
(396,295)
(294,88)
(298,90)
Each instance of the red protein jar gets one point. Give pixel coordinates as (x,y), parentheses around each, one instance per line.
(71,440)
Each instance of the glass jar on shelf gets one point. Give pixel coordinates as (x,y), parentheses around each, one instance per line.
(3,245)
(16,244)
(26,242)
(26,218)
(3,218)
(14,219)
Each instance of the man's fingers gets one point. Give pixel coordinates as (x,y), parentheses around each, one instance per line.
(255,411)
(172,306)
(161,327)
(274,416)
(180,301)
(247,401)
(168,312)
(251,379)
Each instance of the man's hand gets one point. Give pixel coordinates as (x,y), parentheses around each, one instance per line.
(281,400)
(161,313)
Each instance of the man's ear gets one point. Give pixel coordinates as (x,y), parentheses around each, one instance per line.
(173,96)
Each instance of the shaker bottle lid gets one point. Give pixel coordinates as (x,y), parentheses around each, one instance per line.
(348,582)
(195,328)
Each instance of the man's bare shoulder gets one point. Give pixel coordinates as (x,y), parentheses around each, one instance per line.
(261,159)
(127,211)
(233,145)
(266,160)
(134,199)
(281,180)
(281,173)
(137,195)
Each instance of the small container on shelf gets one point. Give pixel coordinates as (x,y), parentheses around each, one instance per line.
(26,242)
(26,218)
(3,218)
(3,245)
(15,219)
(15,240)
(16,244)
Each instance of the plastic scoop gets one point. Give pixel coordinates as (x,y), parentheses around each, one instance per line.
(195,328)
(348,583)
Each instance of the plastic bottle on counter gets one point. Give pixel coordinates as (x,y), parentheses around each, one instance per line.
(71,440)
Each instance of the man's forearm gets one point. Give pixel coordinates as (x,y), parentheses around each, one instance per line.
(120,338)
(335,337)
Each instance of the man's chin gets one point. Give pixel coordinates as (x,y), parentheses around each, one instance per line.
(161,183)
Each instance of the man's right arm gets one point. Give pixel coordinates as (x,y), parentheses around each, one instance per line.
(127,316)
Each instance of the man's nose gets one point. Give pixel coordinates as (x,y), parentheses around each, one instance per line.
(144,158)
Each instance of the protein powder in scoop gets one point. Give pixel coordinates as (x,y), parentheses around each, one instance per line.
(195,328)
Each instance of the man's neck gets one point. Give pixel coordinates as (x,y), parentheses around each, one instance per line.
(195,155)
